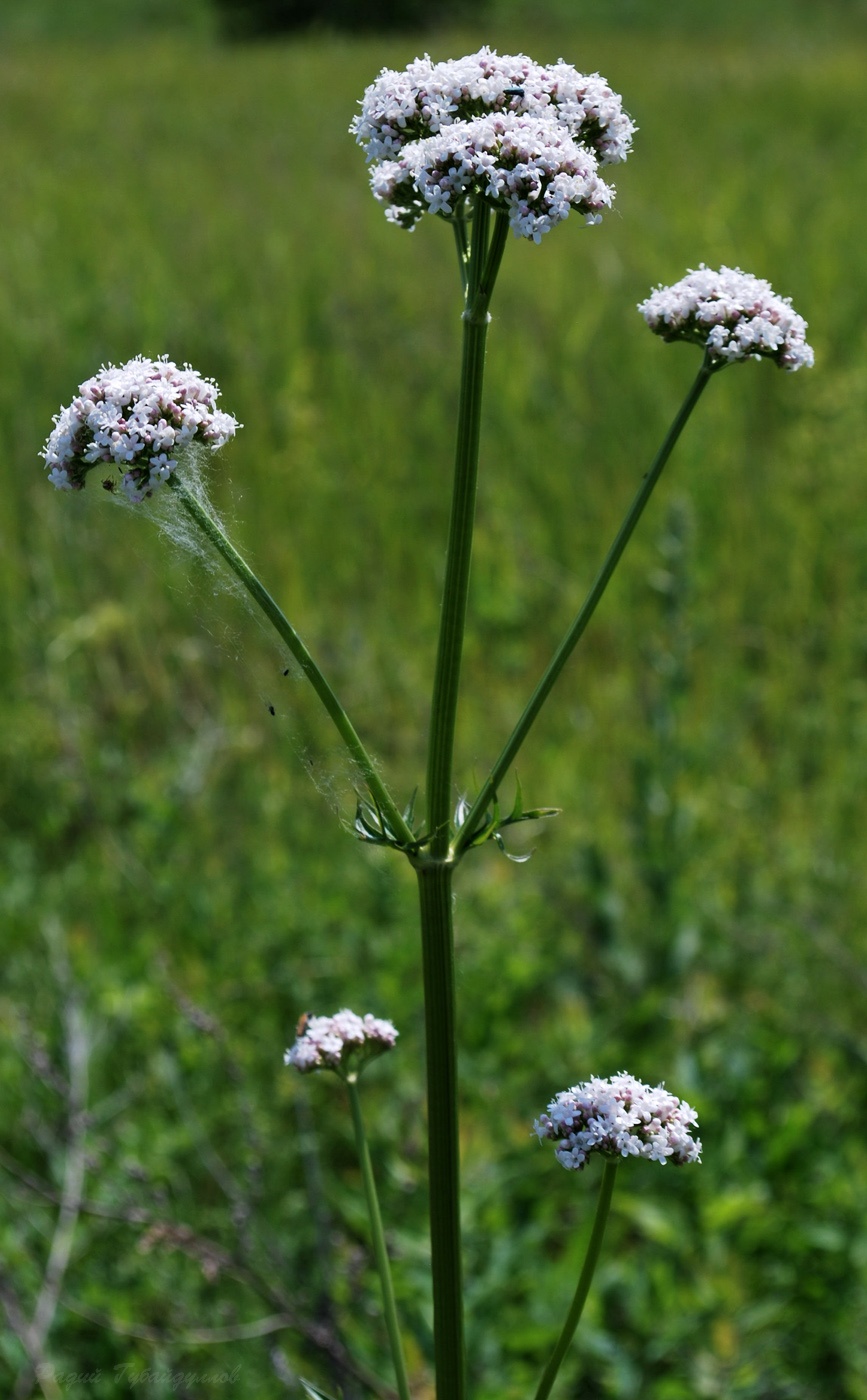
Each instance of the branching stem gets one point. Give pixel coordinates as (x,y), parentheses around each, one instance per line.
(492,783)
(260,595)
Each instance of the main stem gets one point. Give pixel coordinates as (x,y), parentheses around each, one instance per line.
(484,259)
(594,1248)
(480,262)
(287,633)
(438,968)
(500,769)
(378,1236)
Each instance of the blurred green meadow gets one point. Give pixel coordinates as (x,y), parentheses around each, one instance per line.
(176,860)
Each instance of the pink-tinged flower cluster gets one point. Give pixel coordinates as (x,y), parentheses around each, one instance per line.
(529,166)
(619,1117)
(136,418)
(529,139)
(733,315)
(419,100)
(340,1042)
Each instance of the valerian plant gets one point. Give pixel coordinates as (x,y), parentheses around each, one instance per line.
(489,145)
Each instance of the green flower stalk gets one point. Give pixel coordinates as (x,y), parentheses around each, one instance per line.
(390,815)
(588,1269)
(474,817)
(733,316)
(139,419)
(346,1043)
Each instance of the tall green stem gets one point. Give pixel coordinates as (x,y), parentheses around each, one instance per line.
(287,633)
(378,1237)
(492,783)
(484,261)
(480,261)
(591,1259)
(438,968)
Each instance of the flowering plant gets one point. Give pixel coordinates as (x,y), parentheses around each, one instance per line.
(489,144)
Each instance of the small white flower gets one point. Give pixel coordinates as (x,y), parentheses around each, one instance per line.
(135,417)
(733,315)
(342,1042)
(619,1117)
(528,138)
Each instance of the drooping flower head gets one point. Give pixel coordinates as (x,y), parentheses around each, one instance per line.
(733,315)
(619,1117)
(136,418)
(343,1042)
(528,138)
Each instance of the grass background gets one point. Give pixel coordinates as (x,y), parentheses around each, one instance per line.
(698,911)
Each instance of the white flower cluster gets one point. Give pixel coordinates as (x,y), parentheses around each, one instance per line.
(619,1117)
(733,315)
(408,105)
(528,138)
(137,417)
(335,1042)
(528,165)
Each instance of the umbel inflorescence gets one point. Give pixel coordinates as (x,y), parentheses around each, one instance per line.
(136,418)
(530,139)
(733,315)
(340,1042)
(619,1117)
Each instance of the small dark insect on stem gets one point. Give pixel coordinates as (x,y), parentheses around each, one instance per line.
(271,710)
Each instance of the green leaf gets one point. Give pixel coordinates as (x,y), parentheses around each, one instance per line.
(536,814)
(312,1392)
(369,825)
(409,809)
